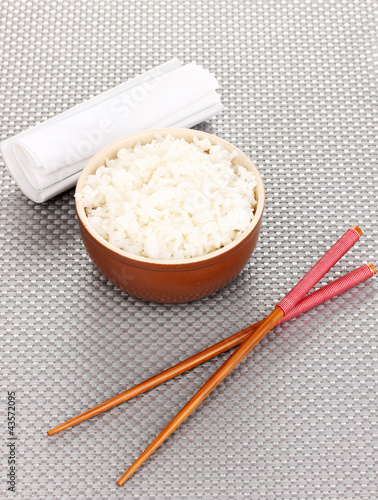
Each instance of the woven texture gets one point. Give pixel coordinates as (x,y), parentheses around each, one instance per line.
(298,418)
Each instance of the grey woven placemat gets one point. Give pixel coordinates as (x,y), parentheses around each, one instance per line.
(298,418)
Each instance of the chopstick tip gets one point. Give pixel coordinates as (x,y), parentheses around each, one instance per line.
(124,478)
(56,430)
(358,230)
(372,267)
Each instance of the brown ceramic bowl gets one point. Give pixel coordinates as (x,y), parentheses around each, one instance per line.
(169,281)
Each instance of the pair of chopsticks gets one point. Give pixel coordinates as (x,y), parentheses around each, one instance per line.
(294,303)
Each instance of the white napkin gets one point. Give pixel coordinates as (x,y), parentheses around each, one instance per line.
(47,159)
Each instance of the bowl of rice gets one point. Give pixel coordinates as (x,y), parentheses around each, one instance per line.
(170,215)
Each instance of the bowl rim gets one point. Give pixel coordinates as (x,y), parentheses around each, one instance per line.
(98,159)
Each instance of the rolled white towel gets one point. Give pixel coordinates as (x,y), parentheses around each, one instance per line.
(48,158)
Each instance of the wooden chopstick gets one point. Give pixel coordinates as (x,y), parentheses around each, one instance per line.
(284,307)
(312,300)
(268,323)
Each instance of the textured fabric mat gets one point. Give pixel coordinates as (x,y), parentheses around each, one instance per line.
(298,418)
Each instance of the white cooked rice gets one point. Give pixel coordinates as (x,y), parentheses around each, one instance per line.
(170,199)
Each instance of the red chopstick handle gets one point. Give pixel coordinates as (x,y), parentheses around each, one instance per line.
(317,272)
(328,291)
